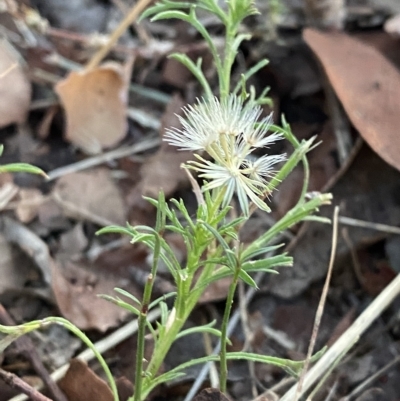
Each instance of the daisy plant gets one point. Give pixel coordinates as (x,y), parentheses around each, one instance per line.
(226,132)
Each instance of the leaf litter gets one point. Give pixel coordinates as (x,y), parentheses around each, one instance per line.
(53,224)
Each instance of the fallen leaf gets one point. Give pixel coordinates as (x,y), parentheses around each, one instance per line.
(28,204)
(76,290)
(74,241)
(95,104)
(15,89)
(30,243)
(13,268)
(81,384)
(125,388)
(91,195)
(368,86)
(8,190)
(51,216)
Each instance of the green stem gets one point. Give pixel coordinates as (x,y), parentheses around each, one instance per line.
(142,322)
(165,342)
(294,216)
(223,375)
(38,324)
(185,302)
(225,80)
(97,354)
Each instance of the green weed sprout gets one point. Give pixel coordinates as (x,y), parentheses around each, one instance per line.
(19,167)
(226,130)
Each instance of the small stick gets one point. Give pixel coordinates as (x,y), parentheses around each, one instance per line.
(15,382)
(321,305)
(349,221)
(103,158)
(121,28)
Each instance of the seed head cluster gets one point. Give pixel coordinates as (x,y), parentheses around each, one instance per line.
(229,131)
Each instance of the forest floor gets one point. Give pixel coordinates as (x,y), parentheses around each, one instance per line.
(96,130)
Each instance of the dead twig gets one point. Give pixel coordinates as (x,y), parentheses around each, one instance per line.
(121,28)
(15,382)
(321,305)
(385,228)
(103,158)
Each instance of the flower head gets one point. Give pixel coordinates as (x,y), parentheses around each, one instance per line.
(229,131)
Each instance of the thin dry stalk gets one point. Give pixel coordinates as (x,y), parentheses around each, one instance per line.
(348,338)
(321,305)
(121,28)
(385,228)
(103,158)
(15,382)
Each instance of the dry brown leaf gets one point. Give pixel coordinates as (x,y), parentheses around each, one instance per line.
(368,86)
(51,216)
(125,388)
(15,89)
(13,267)
(8,190)
(76,290)
(29,203)
(29,242)
(81,384)
(74,241)
(91,195)
(95,104)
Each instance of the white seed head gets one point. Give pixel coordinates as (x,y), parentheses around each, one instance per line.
(229,131)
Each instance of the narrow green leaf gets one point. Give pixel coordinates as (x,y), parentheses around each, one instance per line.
(163,298)
(127,294)
(229,253)
(262,251)
(119,302)
(21,168)
(114,230)
(247,279)
(268,263)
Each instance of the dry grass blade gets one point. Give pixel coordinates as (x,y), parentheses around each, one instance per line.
(121,28)
(348,338)
(321,305)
